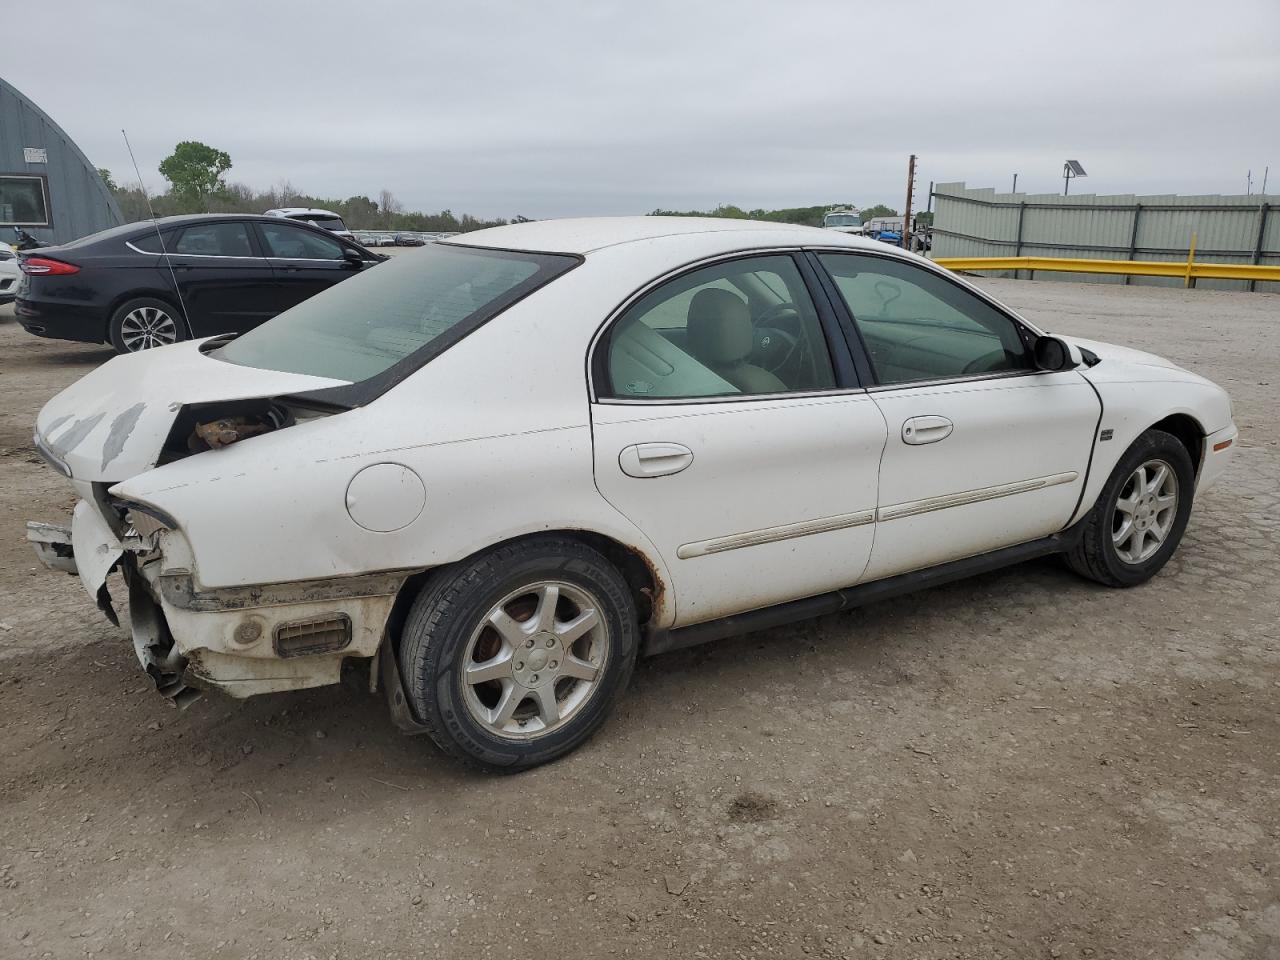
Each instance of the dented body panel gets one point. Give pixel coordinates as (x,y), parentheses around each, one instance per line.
(112,424)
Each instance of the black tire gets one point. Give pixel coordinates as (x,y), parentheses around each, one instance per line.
(124,342)
(452,607)
(1096,554)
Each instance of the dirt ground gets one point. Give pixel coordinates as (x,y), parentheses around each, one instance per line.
(1021,765)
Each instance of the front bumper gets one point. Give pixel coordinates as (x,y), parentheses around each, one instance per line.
(244,641)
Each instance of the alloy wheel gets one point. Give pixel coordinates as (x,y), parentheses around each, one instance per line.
(147,327)
(1145,512)
(535,660)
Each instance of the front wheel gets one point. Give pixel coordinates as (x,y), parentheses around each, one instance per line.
(515,657)
(1140,516)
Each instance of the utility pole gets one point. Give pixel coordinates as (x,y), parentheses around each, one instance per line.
(906,213)
(1015,184)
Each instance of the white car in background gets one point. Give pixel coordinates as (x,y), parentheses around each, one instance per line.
(9,274)
(493,473)
(324,219)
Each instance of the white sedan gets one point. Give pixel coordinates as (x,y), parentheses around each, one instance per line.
(494,473)
(9,274)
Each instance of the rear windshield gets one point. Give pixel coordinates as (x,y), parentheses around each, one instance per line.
(328,223)
(394,316)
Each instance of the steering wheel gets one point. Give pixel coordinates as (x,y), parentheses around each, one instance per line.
(774,345)
(995,360)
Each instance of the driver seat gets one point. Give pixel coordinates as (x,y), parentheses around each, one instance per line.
(720,336)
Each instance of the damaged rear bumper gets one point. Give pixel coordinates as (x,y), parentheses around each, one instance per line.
(242,640)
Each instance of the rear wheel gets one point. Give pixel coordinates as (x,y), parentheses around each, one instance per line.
(145,323)
(1141,514)
(514,658)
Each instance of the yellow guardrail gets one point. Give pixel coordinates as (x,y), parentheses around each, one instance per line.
(1188,271)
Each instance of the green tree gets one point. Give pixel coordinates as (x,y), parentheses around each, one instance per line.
(879,210)
(105,174)
(194,171)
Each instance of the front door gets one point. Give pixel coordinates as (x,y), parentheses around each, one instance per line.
(304,261)
(983,450)
(726,433)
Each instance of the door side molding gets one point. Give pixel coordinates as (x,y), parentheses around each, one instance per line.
(785,531)
(914,507)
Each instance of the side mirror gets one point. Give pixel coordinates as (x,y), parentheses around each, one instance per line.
(1053,354)
(352,258)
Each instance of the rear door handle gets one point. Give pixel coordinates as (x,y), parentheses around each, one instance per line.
(929,429)
(654,459)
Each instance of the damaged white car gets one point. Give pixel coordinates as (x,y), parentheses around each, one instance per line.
(493,473)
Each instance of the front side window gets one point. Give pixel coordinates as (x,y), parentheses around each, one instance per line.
(24,201)
(744,327)
(918,325)
(286,242)
(402,311)
(214,240)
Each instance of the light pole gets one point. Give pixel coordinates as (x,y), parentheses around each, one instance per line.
(1070,170)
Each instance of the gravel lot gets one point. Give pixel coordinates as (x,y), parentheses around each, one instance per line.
(1021,765)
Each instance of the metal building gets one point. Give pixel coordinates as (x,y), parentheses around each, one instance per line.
(48,187)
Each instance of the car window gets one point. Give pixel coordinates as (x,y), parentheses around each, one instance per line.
(409,306)
(295,243)
(214,240)
(150,242)
(918,325)
(745,327)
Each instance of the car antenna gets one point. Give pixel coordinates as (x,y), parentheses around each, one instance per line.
(159,236)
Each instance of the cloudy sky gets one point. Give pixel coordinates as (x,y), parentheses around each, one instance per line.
(551,108)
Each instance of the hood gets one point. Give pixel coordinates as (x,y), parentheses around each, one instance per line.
(1109,351)
(112,424)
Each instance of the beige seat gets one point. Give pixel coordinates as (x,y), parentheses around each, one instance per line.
(720,335)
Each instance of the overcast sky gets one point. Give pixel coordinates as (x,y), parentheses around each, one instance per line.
(549,108)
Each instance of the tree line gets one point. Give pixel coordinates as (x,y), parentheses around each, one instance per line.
(196,173)
(197,184)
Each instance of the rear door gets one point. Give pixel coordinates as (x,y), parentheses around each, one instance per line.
(983,450)
(303,261)
(226,286)
(729,427)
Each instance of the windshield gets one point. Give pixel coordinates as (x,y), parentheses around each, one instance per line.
(404,311)
(842,220)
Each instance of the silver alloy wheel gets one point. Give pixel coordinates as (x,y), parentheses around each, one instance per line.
(146,327)
(535,660)
(1145,511)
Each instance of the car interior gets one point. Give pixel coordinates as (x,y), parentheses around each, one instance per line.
(744,327)
(919,326)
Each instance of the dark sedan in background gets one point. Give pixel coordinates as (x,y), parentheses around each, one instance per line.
(150,284)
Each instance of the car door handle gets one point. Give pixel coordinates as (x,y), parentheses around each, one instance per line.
(654,459)
(928,429)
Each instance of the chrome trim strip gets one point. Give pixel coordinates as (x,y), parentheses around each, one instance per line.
(914,507)
(787,531)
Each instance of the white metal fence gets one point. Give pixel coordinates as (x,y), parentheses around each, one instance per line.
(971,222)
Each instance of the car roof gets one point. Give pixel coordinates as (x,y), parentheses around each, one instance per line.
(585,234)
(295,211)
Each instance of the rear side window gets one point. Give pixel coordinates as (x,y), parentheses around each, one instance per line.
(150,242)
(214,240)
(294,243)
(746,327)
(394,316)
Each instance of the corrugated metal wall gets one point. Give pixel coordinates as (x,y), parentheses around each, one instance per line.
(1229,229)
(79,202)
